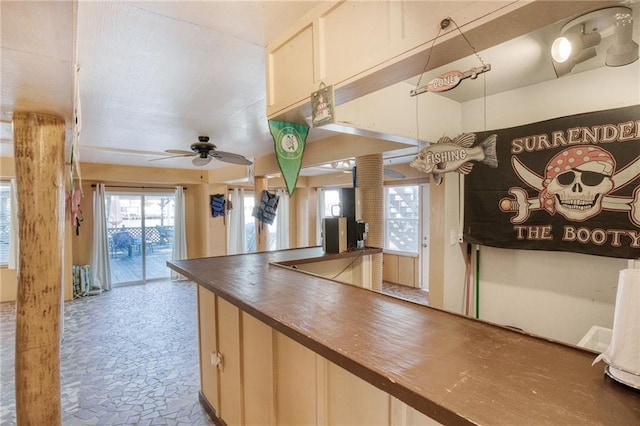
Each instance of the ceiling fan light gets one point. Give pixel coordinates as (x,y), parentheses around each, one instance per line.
(199,161)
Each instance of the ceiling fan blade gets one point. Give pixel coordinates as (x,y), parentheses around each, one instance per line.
(171,156)
(180,152)
(199,161)
(229,157)
(393,174)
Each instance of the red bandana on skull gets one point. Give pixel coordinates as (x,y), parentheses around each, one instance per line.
(572,159)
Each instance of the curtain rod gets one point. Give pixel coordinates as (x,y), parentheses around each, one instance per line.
(93,185)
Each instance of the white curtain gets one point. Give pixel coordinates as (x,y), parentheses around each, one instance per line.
(282,220)
(179,233)
(14,239)
(319,217)
(100,265)
(236,242)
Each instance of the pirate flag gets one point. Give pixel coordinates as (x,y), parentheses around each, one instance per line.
(566,184)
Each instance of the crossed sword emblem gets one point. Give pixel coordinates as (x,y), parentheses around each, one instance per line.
(523,206)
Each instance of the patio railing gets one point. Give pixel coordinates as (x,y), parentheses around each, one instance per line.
(129,240)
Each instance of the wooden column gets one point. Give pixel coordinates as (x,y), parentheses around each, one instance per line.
(304,205)
(370,207)
(39,154)
(260,184)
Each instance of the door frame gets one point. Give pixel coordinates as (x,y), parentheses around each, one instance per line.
(425,245)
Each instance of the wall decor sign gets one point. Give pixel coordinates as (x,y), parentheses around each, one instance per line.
(322,106)
(289,142)
(450,80)
(566,184)
(448,155)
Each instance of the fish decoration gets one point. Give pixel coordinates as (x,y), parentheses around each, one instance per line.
(448,155)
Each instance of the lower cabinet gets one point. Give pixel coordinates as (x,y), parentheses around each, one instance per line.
(208,345)
(253,375)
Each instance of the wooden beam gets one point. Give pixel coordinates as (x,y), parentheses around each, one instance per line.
(39,154)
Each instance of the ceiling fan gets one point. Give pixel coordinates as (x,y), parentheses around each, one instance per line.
(203,152)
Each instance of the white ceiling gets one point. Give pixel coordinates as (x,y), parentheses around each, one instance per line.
(155,75)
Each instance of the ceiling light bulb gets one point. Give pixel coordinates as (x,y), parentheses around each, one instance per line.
(561,49)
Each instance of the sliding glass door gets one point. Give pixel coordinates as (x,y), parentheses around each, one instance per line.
(159,211)
(140,233)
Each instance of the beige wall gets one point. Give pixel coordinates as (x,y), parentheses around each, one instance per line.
(8,284)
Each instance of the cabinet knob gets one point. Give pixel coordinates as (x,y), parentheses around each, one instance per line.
(217,360)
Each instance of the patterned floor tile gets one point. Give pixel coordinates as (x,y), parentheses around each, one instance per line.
(128,356)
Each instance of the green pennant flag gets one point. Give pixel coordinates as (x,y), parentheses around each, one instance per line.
(289,140)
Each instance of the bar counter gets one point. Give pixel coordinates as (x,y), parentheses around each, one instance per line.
(453,369)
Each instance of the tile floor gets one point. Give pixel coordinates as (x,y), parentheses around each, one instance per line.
(129,356)
(411,294)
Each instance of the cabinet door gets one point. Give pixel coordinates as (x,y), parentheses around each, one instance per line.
(257,366)
(230,372)
(296,383)
(208,345)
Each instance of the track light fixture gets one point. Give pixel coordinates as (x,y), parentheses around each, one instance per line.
(624,50)
(580,36)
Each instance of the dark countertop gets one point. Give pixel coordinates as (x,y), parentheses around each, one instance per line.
(454,369)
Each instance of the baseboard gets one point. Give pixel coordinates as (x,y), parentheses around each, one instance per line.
(210,410)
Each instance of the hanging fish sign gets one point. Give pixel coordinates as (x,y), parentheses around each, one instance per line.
(448,155)
(450,80)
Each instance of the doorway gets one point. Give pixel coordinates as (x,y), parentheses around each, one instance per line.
(140,234)
(424,237)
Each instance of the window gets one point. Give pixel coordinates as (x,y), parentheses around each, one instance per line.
(328,199)
(402,218)
(249,225)
(5,222)
(330,203)
(249,222)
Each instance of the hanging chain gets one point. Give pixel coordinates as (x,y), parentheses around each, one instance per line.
(444,24)
(429,56)
(467,40)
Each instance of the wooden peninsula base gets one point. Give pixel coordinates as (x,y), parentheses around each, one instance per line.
(282,347)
